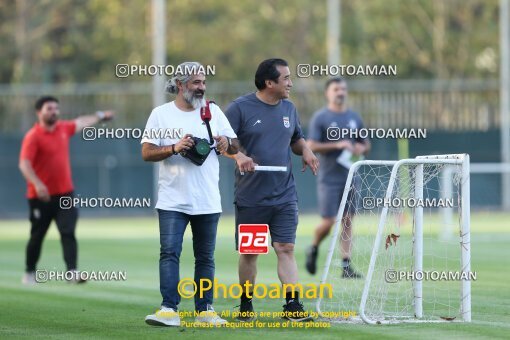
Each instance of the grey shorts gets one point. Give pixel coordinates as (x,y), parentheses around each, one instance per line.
(282,220)
(330,197)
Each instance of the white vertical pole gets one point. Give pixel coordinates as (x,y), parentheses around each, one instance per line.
(446,232)
(158,58)
(333,34)
(336,231)
(418,241)
(465,243)
(377,244)
(504,38)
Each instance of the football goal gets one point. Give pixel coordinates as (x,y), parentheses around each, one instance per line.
(395,213)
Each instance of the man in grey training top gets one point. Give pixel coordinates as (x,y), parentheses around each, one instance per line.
(268,129)
(335,157)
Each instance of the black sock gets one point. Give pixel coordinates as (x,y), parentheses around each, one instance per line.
(291,296)
(244,297)
(345,262)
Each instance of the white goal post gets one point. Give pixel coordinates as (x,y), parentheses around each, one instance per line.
(402,239)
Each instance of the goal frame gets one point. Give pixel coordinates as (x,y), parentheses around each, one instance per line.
(465,240)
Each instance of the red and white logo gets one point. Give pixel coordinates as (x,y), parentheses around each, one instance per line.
(253,238)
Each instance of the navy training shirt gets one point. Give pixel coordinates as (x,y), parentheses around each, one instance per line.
(330,172)
(265,133)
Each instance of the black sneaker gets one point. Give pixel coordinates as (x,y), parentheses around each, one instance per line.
(246,312)
(350,273)
(311,259)
(294,311)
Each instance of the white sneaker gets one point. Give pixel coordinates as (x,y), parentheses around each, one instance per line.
(76,277)
(164,317)
(28,278)
(209,317)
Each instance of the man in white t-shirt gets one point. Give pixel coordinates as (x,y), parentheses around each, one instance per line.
(188,193)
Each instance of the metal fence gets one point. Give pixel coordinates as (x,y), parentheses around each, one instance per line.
(460,116)
(456,105)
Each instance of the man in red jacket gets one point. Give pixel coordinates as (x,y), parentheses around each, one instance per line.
(44,162)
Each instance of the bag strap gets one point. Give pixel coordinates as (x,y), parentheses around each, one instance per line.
(205,111)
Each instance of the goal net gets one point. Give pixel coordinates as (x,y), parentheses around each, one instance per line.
(389,224)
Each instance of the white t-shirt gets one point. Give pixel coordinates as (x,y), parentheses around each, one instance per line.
(184,186)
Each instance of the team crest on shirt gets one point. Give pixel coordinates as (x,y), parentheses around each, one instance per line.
(286,122)
(352,124)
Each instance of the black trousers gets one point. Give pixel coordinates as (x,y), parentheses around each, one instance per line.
(41,215)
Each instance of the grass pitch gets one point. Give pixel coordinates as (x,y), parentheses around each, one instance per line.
(117,309)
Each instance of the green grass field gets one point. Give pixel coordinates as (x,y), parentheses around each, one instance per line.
(117,309)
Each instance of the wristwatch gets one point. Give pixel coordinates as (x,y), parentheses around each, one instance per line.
(173,150)
(229,141)
(100,115)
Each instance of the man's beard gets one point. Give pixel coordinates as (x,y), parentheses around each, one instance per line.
(191,98)
(51,120)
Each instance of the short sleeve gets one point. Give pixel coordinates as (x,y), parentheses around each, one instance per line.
(224,128)
(315,129)
(69,126)
(298,132)
(152,124)
(233,115)
(28,148)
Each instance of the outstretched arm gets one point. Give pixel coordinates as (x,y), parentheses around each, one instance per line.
(93,119)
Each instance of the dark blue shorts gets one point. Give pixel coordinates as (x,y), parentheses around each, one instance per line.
(330,197)
(282,220)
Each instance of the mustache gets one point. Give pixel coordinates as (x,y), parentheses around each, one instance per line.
(195,98)
(51,119)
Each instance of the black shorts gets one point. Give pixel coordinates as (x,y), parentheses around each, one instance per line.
(330,197)
(282,220)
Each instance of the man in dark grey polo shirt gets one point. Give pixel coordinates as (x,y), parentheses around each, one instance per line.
(335,158)
(268,129)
